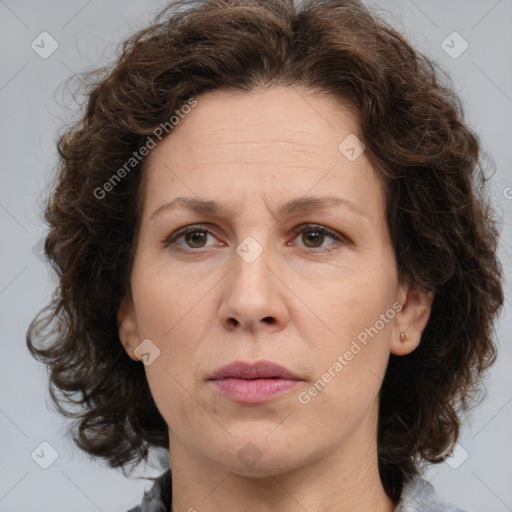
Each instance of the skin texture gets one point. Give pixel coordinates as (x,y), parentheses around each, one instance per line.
(206,307)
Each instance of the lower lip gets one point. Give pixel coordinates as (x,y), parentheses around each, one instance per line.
(254,391)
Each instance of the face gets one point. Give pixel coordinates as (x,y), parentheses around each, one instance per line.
(296,293)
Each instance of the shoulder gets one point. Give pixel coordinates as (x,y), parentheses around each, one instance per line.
(158,498)
(418,495)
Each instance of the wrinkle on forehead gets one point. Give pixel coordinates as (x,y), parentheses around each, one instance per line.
(243,130)
(235,139)
(276,153)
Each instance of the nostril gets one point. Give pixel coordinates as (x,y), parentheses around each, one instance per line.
(267,319)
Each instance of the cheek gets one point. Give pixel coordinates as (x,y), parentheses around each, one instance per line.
(168,313)
(173,377)
(351,307)
(351,355)
(171,303)
(349,364)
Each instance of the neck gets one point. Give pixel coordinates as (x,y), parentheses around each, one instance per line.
(345,479)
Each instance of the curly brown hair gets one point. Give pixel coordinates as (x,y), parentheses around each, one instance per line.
(443,228)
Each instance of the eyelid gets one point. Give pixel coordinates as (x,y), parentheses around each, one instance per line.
(308,226)
(168,240)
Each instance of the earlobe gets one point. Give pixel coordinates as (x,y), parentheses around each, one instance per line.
(127,327)
(411,320)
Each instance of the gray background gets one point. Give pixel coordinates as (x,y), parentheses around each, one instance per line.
(32,110)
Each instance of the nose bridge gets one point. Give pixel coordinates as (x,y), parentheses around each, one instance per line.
(251,295)
(250,282)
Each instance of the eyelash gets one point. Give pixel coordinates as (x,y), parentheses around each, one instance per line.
(303,228)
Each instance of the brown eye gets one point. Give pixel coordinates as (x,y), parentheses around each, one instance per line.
(196,238)
(313,236)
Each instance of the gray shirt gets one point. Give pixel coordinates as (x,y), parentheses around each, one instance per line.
(418,495)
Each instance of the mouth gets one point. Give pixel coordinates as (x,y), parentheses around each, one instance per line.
(253,383)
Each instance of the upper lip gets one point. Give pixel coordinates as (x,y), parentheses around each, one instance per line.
(256,370)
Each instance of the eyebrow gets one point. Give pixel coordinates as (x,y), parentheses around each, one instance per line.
(303,204)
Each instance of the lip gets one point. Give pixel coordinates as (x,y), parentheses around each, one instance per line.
(257,370)
(254,383)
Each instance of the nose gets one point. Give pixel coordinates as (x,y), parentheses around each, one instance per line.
(253,297)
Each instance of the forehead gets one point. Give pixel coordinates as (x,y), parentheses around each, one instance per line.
(295,116)
(267,141)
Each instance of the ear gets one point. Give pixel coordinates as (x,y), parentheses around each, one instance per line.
(412,318)
(127,325)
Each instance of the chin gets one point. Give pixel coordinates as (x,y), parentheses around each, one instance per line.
(265,467)
(256,455)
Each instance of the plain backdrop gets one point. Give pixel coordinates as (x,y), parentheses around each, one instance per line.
(32,110)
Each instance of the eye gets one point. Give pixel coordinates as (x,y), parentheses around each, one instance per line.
(194,236)
(313,235)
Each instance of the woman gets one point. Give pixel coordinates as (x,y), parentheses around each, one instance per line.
(276,260)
